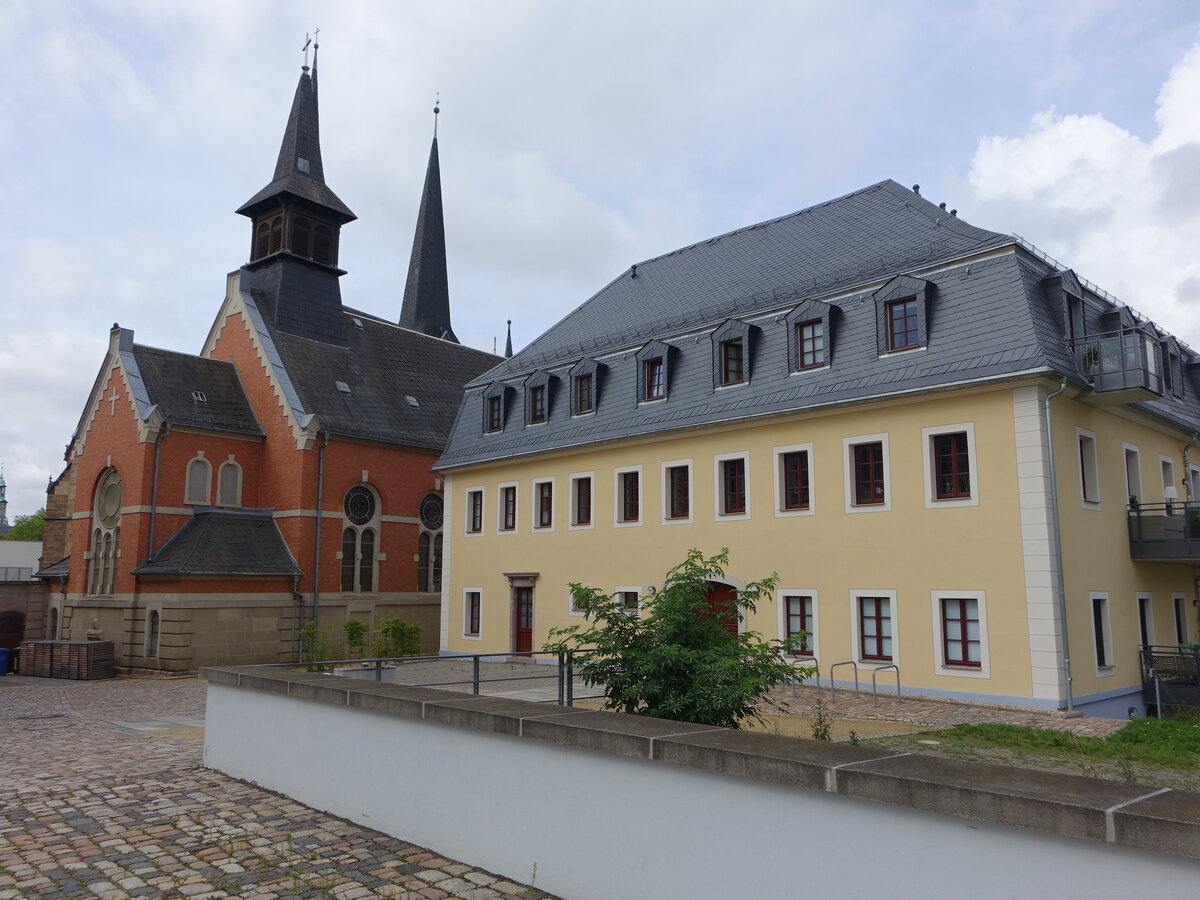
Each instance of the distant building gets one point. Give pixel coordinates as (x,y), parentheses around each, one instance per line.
(212,504)
(860,397)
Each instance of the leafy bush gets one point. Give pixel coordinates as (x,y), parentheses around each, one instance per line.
(677,660)
(356,635)
(395,637)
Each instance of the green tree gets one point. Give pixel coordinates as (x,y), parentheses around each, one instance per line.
(27,528)
(678,660)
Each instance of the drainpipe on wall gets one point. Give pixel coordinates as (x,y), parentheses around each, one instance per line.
(299,598)
(166,429)
(317,528)
(1060,578)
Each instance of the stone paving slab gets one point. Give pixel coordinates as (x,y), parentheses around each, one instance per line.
(102,794)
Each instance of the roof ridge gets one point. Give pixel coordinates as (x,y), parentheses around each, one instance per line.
(376,320)
(164,350)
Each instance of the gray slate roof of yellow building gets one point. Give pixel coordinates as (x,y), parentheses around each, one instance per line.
(990,316)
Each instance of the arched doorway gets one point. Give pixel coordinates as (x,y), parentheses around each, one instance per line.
(721,603)
(12,628)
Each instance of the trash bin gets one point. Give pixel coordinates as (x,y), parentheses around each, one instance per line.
(4,656)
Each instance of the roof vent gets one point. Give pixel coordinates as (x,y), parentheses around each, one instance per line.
(342,386)
(916,189)
(357,322)
(198,397)
(954,212)
(412,401)
(942,205)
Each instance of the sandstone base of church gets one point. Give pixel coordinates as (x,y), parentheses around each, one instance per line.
(225,630)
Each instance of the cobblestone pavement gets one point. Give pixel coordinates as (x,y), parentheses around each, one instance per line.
(802,701)
(102,794)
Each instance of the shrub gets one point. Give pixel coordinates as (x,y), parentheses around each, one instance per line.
(677,660)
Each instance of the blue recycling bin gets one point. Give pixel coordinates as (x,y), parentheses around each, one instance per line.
(4,657)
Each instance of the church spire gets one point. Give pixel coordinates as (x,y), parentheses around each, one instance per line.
(508,342)
(3,501)
(426,305)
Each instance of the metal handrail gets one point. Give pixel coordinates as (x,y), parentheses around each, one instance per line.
(832,683)
(817,665)
(875,686)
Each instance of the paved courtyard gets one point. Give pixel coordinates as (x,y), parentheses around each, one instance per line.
(102,794)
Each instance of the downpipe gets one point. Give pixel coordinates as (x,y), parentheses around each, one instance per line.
(1060,578)
(316,593)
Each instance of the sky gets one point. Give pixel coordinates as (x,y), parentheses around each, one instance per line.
(575,138)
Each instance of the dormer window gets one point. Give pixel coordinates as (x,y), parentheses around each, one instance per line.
(810,335)
(655,379)
(585,386)
(810,338)
(583,394)
(903,331)
(199,397)
(537,404)
(733,358)
(495,420)
(539,397)
(494,407)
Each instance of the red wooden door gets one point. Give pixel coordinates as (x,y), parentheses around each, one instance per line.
(722,605)
(523,619)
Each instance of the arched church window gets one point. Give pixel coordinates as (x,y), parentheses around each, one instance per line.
(323,245)
(106,533)
(198,482)
(429,544)
(435,581)
(52,625)
(301,236)
(423,561)
(262,240)
(276,234)
(229,484)
(359,540)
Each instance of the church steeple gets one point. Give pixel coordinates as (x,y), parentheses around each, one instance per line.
(297,224)
(427,293)
(3,500)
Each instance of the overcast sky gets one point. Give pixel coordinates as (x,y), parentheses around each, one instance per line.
(575,138)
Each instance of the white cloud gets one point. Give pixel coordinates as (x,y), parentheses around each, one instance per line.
(1121,210)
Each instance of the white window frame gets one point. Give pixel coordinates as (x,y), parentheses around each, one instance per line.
(1166,465)
(467,532)
(777,454)
(1194,482)
(635,588)
(939,648)
(189,500)
(848,445)
(1148,598)
(927,470)
(536,504)
(719,460)
(665,478)
(1087,450)
(572,609)
(781,616)
(466,613)
(1110,668)
(856,634)
(573,523)
(1133,476)
(516,486)
(618,496)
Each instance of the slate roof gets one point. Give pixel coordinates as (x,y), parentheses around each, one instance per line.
(229,542)
(60,569)
(171,378)
(381,365)
(426,304)
(301,140)
(990,316)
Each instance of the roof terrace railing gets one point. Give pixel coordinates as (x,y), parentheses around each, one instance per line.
(1125,360)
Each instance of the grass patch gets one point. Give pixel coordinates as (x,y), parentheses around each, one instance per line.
(1169,743)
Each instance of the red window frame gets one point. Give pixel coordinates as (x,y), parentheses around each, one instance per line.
(583,394)
(877,610)
(951,466)
(795,480)
(810,342)
(473,605)
(508,499)
(733,361)
(654,374)
(630,507)
(537,404)
(798,615)
(475,506)
(494,414)
(583,501)
(869,486)
(956,630)
(903,326)
(733,486)
(545,492)
(680,505)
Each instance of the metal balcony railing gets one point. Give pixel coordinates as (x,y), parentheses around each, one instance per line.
(1165,532)
(1125,366)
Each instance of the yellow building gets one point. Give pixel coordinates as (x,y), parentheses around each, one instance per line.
(872,399)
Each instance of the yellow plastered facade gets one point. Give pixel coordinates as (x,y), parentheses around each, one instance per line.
(994,547)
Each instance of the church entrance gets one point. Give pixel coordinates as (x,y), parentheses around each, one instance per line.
(722,605)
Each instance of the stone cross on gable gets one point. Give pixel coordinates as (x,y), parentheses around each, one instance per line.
(112,402)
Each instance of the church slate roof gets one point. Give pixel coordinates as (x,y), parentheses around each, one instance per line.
(990,316)
(172,379)
(381,366)
(426,305)
(229,542)
(60,569)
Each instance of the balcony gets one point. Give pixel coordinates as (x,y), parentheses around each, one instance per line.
(1165,532)
(1171,676)
(1122,366)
